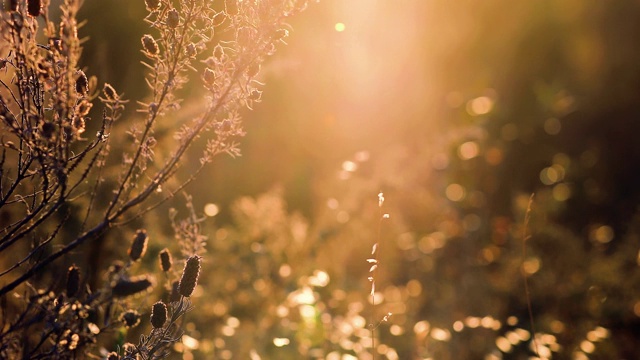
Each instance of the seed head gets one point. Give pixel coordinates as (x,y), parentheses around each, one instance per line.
(82,84)
(189,276)
(165,260)
(130,318)
(150,46)
(113,356)
(139,245)
(33,7)
(152,4)
(158,315)
(73,281)
(124,288)
(173,18)
(110,92)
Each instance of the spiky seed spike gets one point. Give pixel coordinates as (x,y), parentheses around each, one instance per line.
(73,281)
(158,315)
(124,288)
(189,276)
(173,18)
(165,260)
(150,45)
(82,84)
(33,7)
(139,245)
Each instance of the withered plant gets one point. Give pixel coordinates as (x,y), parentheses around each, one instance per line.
(57,191)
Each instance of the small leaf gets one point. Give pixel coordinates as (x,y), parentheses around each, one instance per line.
(372,261)
(373,268)
(375,247)
(370,278)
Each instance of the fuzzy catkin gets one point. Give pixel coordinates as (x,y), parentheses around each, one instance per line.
(189,276)
(165,260)
(158,315)
(139,245)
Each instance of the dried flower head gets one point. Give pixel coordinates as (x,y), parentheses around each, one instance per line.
(165,260)
(130,318)
(33,7)
(73,281)
(150,46)
(173,18)
(82,84)
(123,287)
(139,245)
(189,276)
(158,315)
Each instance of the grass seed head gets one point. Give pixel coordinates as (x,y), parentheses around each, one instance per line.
(158,315)
(130,318)
(173,18)
(165,260)
(190,276)
(124,288)
(139,245)
(150,46)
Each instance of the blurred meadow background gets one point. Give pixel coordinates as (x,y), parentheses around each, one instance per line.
(457,111)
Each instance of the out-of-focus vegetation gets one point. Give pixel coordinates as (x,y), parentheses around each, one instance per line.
(458,112)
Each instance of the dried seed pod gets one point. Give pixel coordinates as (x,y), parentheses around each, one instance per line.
(165,260)
(150,46)
(124,288)
(189,276)
(73,281)
(152,4)
(130,318)
(173,18)
(158,315)
(82,84)
(139,245)
(33,7)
